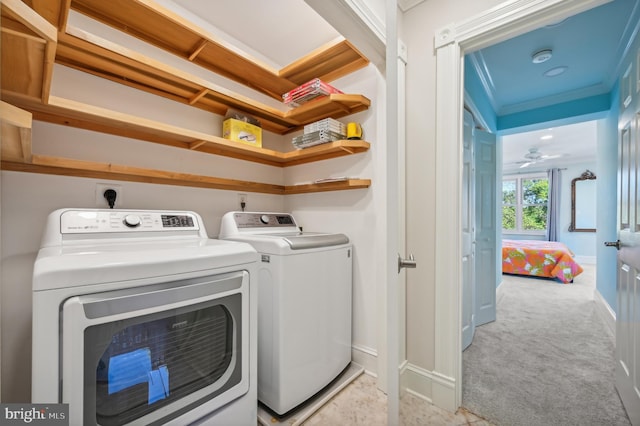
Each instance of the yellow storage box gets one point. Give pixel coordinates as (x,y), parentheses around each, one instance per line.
(241,131)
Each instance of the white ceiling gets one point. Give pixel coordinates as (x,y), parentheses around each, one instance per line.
(574,143)
(281,31)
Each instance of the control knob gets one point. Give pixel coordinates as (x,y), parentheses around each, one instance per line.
(264,219)
(132,220)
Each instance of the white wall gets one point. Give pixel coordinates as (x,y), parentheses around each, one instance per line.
(1,303)
(607,217)
(27,198)
(419,27)
(359,214)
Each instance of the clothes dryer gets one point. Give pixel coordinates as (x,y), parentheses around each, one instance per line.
(140,318)
(304,305)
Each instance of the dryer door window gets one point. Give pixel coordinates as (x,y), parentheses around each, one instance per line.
(147,365)
(154,353)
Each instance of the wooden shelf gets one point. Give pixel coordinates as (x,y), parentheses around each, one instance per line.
(91,54)
(77,114)
(96,170)
(16,133)
(28,51)
(31,41)
(17,155)
(328,186)
(29,75)
(163,28)
(323,152)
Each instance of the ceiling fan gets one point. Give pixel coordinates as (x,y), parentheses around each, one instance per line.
(535,156)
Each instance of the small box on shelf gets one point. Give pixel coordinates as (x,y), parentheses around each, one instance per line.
(241,131)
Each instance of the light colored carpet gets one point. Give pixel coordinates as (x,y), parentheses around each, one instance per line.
(548,359)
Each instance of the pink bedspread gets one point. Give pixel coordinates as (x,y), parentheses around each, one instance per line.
(539,258)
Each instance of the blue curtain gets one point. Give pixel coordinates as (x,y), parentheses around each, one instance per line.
(553,205)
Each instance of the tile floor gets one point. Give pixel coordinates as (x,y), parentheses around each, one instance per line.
(362,403)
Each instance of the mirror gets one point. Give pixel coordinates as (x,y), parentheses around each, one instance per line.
(583,203)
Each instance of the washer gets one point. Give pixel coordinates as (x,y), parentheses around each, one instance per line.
(304,305)
(140,318)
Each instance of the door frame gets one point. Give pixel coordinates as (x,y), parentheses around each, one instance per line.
(500,23)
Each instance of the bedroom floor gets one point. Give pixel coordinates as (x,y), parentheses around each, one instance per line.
(547,359)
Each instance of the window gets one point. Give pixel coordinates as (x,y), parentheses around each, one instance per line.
(524,204)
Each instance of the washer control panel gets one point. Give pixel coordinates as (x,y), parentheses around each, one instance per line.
(99,221)
(253,220)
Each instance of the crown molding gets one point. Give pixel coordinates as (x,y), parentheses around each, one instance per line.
(408,4)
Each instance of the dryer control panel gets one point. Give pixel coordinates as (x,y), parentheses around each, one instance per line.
(102,224)
(92,221)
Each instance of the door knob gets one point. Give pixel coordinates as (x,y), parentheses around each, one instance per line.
(406,263)
(617,244)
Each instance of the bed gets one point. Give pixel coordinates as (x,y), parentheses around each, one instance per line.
(548,259)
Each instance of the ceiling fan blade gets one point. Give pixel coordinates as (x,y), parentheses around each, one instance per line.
(527,164)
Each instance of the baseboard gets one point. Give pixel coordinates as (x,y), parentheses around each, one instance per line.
(416,381)
(585,260)
(429,386)
(606,313)
(499,291)
(443,392)
(366,357)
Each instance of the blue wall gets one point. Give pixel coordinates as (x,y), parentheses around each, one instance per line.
(581,243)
(592,108)
(606,172)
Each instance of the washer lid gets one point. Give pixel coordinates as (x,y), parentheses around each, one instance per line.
(308,241)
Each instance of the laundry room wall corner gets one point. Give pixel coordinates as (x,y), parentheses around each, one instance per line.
(358,213)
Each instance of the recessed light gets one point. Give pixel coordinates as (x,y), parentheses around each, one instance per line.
(546,137)
(555,71)
(541,56)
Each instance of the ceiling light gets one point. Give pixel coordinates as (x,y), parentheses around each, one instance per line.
(555,71)
(546,137)
(533,154)
(541,56)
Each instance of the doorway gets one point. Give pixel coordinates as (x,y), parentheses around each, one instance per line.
(451,44)
(511,338)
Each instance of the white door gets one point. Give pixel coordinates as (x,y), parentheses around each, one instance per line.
(628,315)
(394,70)
(468,225)
(487,229)
(479,229)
